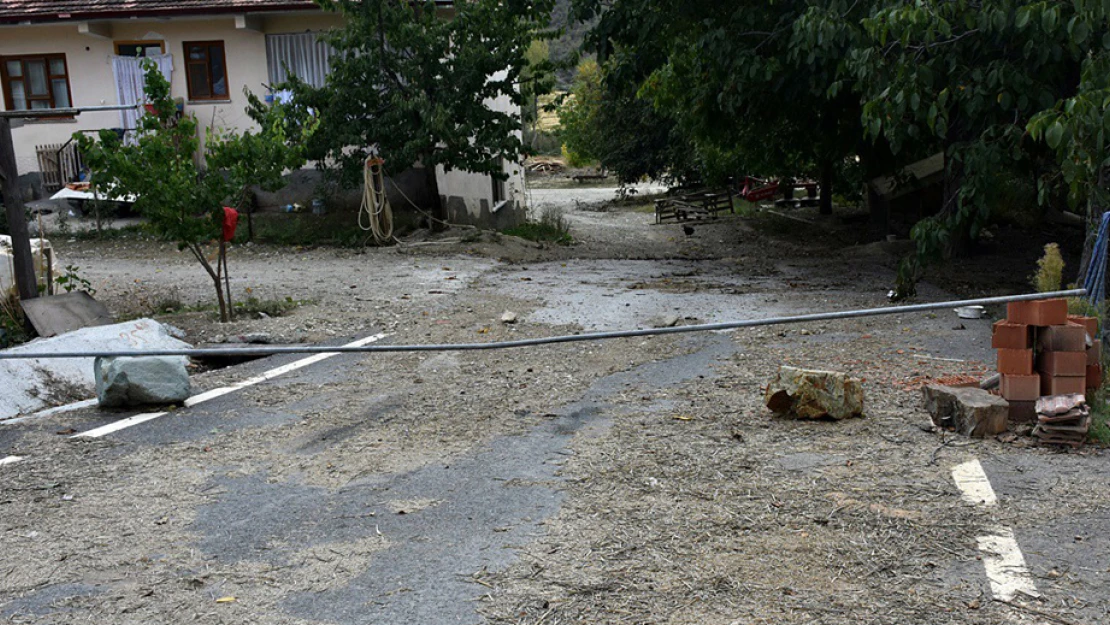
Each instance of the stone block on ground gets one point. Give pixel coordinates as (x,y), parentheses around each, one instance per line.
(807,394)
(970,411)
(139,381)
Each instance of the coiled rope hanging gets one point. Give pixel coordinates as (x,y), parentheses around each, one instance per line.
(375,205)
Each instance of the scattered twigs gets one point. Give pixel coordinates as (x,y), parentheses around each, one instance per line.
(1047,615)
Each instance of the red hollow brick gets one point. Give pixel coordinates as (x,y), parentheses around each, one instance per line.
(1008,335)
(1066,338)
(1062,363)
(1052,312)
(1090,323)
(1015,361)
(1045,312)
(1094,376)
(1062,384)
(1021,312)
(1021,387)
(1094,354)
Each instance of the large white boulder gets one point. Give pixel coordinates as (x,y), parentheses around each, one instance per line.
(30,385)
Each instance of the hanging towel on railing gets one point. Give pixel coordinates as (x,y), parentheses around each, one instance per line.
(1095,282)
(130,83)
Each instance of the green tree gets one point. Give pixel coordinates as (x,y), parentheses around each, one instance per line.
(259,158)
(414,85)
(803,86)
(752,88)
(969,77)
(606,121)
(181,201)
(1076,129)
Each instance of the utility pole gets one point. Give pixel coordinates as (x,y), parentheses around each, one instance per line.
(25,280)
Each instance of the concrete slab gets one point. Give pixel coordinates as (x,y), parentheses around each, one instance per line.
(57,314)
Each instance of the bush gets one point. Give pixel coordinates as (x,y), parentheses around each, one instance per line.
(1050,270)
(551,227)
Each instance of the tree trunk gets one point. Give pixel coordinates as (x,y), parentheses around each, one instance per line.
(958,237)
(224,318)
(227,279)
(249,203)
(198,252)
(439,210)
(828,171)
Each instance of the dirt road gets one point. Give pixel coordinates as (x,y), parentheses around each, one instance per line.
(632,481)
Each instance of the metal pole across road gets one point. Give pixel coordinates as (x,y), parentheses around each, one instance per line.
(66,112)
(572,338)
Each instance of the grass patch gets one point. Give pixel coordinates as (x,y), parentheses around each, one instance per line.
(12,330)
(132,232)
(1100,417)
(540,232)
(305,230)
(551,228)
(255,307)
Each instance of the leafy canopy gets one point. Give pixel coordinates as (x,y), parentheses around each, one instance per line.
(415,84)
(1007,89)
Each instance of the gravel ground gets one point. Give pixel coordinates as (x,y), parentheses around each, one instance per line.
(664,492)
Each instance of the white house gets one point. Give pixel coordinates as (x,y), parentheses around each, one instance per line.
(80,53)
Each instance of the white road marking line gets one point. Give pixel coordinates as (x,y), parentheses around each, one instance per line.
(973,483)
(218,392)
(10,460)
(122,424)
(1005,566)
(86,403)
(1002,558)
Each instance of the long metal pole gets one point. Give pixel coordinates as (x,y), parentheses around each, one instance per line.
(66,112)
(25,280)
(572,338)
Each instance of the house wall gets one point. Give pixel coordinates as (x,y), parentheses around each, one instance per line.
(468,196)
(90,70)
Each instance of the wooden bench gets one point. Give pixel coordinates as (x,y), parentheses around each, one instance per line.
(698,205)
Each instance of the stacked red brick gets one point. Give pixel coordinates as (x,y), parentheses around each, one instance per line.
(1042,351)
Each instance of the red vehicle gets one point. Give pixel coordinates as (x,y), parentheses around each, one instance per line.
(757,190)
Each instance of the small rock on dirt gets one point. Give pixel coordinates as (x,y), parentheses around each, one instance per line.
(970,411)
(668,321)
(808,394)
(137,381)
(508,317)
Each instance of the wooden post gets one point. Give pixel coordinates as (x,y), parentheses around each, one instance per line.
(17,221)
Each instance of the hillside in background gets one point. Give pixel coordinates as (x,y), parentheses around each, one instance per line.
(567,45)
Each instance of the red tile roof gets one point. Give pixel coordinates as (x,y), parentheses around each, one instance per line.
(58,10)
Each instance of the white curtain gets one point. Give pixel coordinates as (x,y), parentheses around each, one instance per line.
(130,83)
